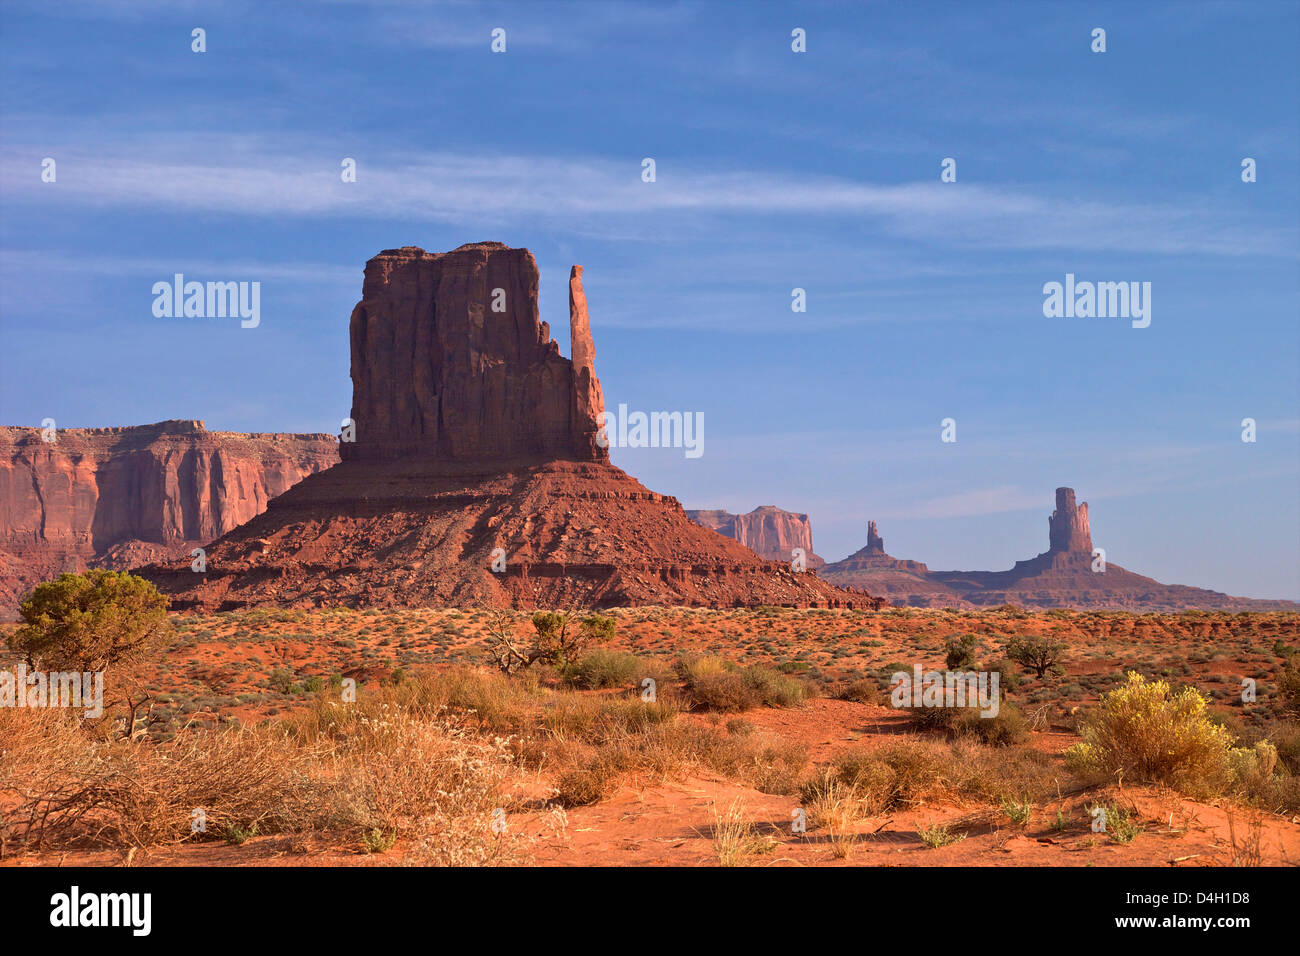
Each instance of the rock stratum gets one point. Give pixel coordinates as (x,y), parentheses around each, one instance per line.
(478,475)
(1062,576)
(118,497)
(768,531)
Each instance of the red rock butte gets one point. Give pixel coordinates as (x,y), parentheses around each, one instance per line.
(476,476)
(450,362)
(768,531)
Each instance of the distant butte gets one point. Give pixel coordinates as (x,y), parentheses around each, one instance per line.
(768,531)
(1062,576)
(476,439)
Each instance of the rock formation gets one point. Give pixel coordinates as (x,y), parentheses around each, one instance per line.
(1067,527)
(768,531)
(114,497)
(875,543)
(477,476)
(1062,576)
(450,362)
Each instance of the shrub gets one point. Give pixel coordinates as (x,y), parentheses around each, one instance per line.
(883,779)
(727,693)
(601,668)
(560,638)
(772,688)
(718,685)
(1286,737)
(937,835)
(864,690)
(1119,826)
(961,653)
(1147,733)
(1018,811)
(1288,686)
(281,680)
(91,622)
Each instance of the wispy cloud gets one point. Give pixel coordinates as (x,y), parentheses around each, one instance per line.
(600,196)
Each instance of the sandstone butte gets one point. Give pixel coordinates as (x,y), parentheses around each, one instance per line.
(768,531)
(1062,576)
(477,445)
(117,497)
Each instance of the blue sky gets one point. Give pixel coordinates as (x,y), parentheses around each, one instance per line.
(775,170)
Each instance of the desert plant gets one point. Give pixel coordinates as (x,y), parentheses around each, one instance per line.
(1042,655)
(1146,732)
(937,835)
(377,840)
(91,621)
(100,621)
(1288,686)
(1018,811)
(560,638)
(960,653)
(1119,825)
(734,837)
(604,668)
(864,690)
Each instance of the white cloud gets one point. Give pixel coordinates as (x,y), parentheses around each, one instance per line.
(603,197)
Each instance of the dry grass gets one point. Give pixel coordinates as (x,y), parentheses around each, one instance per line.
(735,841)
(370,766)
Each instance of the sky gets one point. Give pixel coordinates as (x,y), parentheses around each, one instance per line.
(775,170)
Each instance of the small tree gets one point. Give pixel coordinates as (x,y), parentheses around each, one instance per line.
(560,638)
(563,637)
(97,621)
(1038,654)
(502,642)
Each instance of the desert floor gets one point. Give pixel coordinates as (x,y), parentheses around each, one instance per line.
(252,667)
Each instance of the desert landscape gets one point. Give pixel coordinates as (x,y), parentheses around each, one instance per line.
(473,640)
(759,712)
(447,444)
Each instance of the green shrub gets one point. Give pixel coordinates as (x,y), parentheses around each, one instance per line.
(91,622)
(960,653)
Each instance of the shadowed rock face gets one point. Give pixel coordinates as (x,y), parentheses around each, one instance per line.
(115,497)
(476,477)
(450,361)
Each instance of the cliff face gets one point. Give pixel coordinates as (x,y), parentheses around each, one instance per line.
(118,496)
(450,362)
(768,531)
